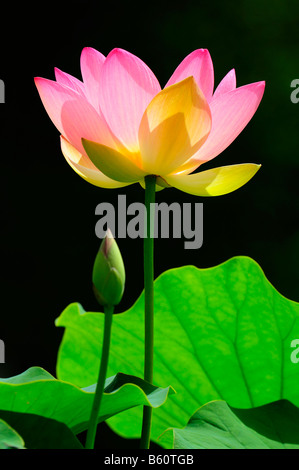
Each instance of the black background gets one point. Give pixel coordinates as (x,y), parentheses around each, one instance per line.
(47,219)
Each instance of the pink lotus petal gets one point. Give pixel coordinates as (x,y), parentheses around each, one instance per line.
(91,62)
(199,65)
(69,81)
(127,87)
(231,112)
(73,115)
(228,83)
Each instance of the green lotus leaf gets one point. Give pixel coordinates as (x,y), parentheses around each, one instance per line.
(37,392)
(9,438)
(222,333)
(41,433)
(216,425)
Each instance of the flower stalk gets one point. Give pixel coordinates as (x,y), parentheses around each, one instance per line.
(93,421)
(150,188)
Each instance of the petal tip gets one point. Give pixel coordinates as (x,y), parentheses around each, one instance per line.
(202,50)
(118,51)
(188,81)
(87,49)
(89,54)
(260,89)
(253,169)
(57,72)
(261,84)
(40,81)
(204,53)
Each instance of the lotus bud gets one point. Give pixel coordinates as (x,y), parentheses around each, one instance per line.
(108,276)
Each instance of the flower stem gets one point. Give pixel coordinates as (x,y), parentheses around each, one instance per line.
(150,189)
(93,421)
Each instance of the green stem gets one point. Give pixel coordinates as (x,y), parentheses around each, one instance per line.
(150,189)
(93,421)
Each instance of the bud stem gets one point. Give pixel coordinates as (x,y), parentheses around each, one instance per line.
(93,421)
(150,189)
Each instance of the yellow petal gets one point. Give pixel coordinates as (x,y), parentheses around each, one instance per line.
(112,163)
(85,168)
(174,126)
(214,182)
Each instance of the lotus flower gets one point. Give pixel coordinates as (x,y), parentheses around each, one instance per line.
(117,125)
